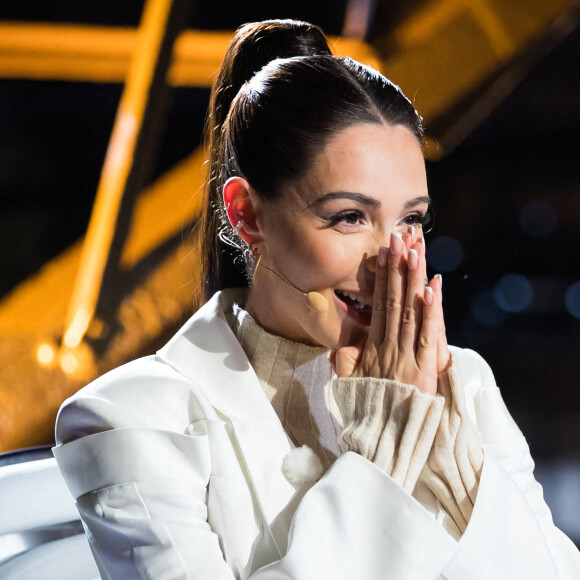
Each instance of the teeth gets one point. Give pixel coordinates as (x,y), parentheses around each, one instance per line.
(367,301)
(361,299)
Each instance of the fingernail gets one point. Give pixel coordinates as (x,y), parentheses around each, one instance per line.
(440,279)
(412,259)
(411,230)
(396,243)
(382,257)
(428,295)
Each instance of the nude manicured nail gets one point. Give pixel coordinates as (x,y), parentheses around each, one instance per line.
(428,295)
(412,259)
(440,279)
(382,257)
(396,243)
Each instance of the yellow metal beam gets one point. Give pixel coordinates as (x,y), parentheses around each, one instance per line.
(31,316)
(446,49)
(116,170)
(102,54)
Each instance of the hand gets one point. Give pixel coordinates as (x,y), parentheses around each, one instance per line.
(406,340)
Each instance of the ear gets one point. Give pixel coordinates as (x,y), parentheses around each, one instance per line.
(241,201)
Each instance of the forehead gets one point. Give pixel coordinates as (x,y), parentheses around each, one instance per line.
(381,161)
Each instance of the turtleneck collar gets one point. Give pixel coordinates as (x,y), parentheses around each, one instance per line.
(296,379)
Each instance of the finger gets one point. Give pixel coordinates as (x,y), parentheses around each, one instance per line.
(429,334)
(378,318)
(347,359)
(443,354)
(408,238)
(413,308)
(396,283)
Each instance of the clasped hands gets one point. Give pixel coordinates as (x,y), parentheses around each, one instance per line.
(406,341)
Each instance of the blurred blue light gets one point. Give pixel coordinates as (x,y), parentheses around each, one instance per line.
(572,299)
(444,254)
(538,218)
(513,293)
(486,312)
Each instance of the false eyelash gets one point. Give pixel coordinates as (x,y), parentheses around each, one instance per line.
(419,218)
(428,219)
(337,218)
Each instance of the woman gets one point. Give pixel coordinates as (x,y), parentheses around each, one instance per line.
(243,449)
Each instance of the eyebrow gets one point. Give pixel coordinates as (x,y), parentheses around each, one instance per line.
(358,197)
(416,201)
(365,199)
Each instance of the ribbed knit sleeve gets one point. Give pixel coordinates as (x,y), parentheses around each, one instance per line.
(389,423)
(413,436)
(453,468)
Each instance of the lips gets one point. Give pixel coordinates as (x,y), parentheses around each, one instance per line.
(359,308)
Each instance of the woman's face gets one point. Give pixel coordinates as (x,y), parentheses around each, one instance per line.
(324,234)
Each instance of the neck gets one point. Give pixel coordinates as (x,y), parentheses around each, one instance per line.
(278,309)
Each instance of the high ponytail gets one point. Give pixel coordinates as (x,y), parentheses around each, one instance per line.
(279,98)
(253,46)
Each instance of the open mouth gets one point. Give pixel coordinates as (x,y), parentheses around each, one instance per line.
(358,308)
(354,300)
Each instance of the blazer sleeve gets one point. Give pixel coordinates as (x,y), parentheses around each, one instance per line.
(139,480)
(510,515)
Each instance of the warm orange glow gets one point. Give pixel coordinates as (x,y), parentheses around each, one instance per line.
(45,354)
(69,363)
(116,170)
(78,363)
(77,328)
(165,208)
(103,54)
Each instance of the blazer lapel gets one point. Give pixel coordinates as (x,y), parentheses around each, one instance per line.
(207,352)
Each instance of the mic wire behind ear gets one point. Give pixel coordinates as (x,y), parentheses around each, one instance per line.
(316,301)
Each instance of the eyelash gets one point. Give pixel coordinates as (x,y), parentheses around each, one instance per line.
(342,216)
(422,219)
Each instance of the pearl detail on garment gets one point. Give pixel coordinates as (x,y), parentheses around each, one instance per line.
(302,466)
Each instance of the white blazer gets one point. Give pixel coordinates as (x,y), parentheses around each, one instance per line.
(175,463)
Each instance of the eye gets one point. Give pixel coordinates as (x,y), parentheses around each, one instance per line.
(423,219)
(351,218)
(347,218)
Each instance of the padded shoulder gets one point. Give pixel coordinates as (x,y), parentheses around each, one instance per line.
(143,393)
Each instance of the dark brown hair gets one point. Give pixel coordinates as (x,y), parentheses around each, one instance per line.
(279,97)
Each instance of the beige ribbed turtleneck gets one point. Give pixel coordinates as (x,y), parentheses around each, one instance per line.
(297,380)
(426,443)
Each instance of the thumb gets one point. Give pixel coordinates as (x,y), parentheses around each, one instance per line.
(346,360)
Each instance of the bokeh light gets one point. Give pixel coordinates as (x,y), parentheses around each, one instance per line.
(513,293)
(444,254)
(69,363)
(486,312)
(45,354)
(572,300)
(538,218)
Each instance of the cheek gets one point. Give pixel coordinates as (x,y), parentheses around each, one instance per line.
(324,260)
